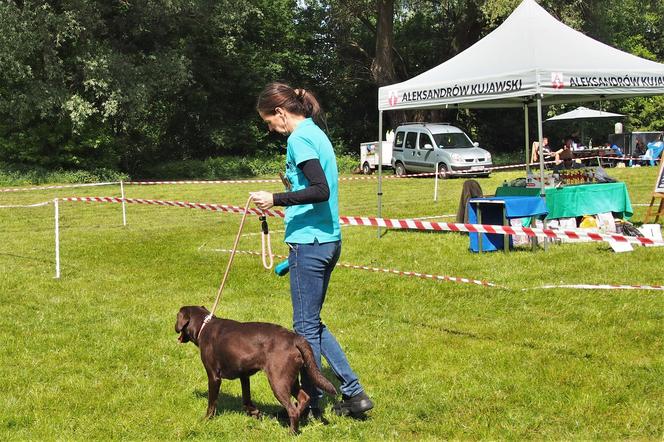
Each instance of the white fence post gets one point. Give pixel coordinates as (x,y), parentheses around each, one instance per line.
(124,209)
(57,238)
(435,185)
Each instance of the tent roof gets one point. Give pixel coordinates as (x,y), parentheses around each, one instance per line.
(529,53)
(581,113)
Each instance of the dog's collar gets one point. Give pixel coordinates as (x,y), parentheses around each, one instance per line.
(205,321)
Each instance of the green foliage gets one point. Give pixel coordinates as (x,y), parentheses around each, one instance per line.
(12,176)
(222,168)
(127,85)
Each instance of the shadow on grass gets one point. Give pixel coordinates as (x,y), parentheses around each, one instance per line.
(527,345)
(226,402)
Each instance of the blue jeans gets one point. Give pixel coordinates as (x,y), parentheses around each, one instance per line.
(310,267)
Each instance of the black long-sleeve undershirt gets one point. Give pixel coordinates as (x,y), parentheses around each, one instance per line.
(317,191)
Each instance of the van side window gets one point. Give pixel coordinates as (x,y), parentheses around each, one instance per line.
(424,140)
(398,139)
(411,139)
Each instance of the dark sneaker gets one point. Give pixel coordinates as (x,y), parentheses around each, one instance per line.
(355,405)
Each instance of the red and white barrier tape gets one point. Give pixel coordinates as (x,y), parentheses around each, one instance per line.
(466,280)
(184,204)
(602,287)
(496,229)
(390,271)
(153,183)
(45,203)
(625,158)
(63,186)
(413,175)
(409,224)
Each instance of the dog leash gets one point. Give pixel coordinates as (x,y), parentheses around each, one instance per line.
(265,239)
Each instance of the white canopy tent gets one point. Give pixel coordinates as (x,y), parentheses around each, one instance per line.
(582,113)
(529,60)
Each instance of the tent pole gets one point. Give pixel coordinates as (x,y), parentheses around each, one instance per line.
(539,138)
(541,154)
(380,165)
(528,153)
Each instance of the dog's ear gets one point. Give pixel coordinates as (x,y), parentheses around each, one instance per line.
(182,321)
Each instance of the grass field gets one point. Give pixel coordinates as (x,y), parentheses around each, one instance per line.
(94,355)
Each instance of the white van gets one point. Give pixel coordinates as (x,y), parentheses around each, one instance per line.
(419,147)
(369,154)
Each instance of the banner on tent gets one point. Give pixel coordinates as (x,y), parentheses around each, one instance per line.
(427,95)
(460,90)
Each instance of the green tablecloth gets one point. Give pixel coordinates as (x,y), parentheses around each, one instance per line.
(517,191)
(585,199)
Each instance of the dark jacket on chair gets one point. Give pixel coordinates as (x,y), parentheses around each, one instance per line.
(471,189)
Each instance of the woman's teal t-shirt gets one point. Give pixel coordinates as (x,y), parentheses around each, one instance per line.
(306,223)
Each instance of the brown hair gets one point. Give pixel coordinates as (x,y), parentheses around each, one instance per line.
(296,101)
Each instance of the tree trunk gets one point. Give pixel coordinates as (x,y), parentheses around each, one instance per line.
(382,68)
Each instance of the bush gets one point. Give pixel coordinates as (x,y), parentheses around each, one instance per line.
(17,176)
(508,158)
(220,168)
(223,168)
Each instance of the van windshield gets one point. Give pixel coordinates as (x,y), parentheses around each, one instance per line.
(453,140)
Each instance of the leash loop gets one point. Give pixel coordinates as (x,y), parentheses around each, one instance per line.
(265,240)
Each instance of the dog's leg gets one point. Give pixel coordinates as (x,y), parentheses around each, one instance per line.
(300,396)
(249,406)
(302,401)
(282,391)
(214,383)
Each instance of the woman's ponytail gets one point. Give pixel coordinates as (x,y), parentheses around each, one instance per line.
(297,101)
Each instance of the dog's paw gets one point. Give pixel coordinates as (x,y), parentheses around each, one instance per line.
(254,412)
(208,416)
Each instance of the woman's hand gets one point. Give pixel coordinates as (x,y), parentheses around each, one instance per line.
(262,199)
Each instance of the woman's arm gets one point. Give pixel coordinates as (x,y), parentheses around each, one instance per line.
(317,191)
(557,157)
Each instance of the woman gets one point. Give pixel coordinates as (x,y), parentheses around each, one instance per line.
(312,230)
(565,156)
(546,150)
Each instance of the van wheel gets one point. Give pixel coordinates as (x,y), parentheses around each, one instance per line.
(443,172)
(399,169)
(366,169)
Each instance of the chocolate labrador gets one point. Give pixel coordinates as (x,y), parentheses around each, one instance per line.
(231,350)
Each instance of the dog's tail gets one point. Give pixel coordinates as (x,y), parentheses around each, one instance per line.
(312,369)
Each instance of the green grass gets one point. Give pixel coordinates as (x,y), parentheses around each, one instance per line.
(94,355)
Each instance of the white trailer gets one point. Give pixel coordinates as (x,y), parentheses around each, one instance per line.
(369,154)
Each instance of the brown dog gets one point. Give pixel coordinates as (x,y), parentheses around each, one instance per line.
(231,350)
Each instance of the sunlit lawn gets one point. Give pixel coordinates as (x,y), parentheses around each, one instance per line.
(94,355)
